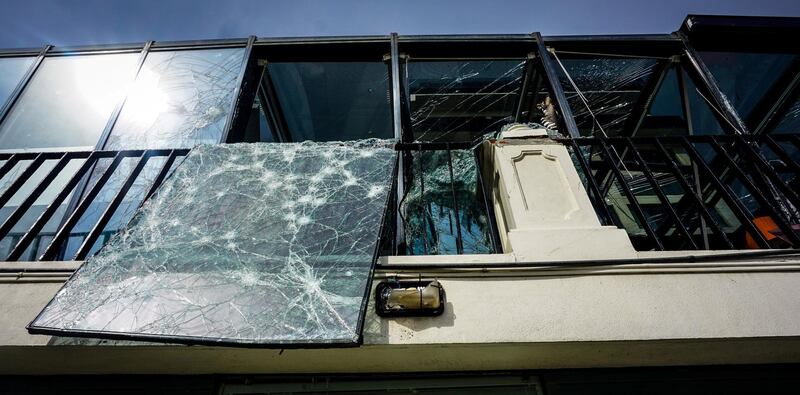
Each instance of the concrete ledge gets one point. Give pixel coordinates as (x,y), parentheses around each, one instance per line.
(32,360)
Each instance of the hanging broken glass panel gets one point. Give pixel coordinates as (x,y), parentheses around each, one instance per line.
(462,100)
(180,99)
(260,244)
(442,208)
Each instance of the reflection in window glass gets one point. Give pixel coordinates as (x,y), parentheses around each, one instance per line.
(334,101)
(665,116)
(745,78)
(611,87)
(11,72)
(180,99)
(68,101)
(432,219)
(460,101)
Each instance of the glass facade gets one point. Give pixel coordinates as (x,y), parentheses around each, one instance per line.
(68,102)
(180,99)
(11,72)
(333,101)
(184,96)
(462,100)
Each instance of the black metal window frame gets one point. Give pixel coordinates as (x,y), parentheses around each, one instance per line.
(395,51)
(748,34)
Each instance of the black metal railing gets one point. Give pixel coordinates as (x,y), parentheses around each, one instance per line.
(445,207)
(72,193)
(697,192)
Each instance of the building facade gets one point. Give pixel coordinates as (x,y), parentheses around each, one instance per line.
(456,214)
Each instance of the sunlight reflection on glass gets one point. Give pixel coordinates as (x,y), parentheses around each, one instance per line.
(180,99)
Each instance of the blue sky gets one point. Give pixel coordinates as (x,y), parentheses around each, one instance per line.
(32,23)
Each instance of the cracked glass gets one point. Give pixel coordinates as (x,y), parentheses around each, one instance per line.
(462,100)
(180,99)
(262,244)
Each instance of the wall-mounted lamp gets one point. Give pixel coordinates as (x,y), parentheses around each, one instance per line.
(409,298)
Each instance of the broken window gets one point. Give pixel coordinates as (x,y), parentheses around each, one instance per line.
(269,244)
(462,100)
(180,99)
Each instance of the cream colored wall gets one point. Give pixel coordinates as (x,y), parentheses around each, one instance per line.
(602,315)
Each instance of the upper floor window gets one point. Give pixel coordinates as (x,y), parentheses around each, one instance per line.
(68,102)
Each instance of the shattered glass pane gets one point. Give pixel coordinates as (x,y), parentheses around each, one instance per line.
(611,87)
(462,100)
(245,244)
(429,210)
(180,99)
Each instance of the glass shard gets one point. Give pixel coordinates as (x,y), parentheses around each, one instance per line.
(261,244)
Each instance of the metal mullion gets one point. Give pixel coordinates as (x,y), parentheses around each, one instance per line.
(756,192)
(742,214)
(76,214)
(600,201)
(661,195)
(689,190)
(109,211)
(240,80)
(526,80)
(459,239)
(13,188)
(9,164)
(790,193)
(555,87)
(637,209)
(687,115)
(489,206)
(782,154)
(23,207)
(112,120)
(710,83)
(273,106)
(162,174)
(15,95)
(397,127)
(40,222)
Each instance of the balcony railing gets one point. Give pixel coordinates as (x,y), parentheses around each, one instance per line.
(61,186)
(698,192)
